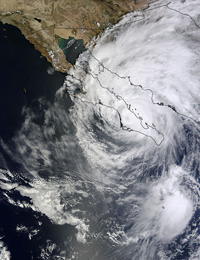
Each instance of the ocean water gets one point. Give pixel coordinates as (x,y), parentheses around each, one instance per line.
(28,82)
(108,167)
(72,48)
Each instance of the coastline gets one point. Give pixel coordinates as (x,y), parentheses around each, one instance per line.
(43,23)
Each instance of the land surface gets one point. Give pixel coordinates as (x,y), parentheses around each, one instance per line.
(43,22)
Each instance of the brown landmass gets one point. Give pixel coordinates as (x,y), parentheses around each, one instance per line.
(42,22)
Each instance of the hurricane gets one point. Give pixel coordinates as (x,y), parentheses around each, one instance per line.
(115,174)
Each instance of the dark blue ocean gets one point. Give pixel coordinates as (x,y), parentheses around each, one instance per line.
(102,163)
(24,79)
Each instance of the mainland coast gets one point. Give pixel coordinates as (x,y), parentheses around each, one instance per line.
(43,22)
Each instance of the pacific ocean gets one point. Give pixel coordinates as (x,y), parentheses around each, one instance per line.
(26,77)
(103,163)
